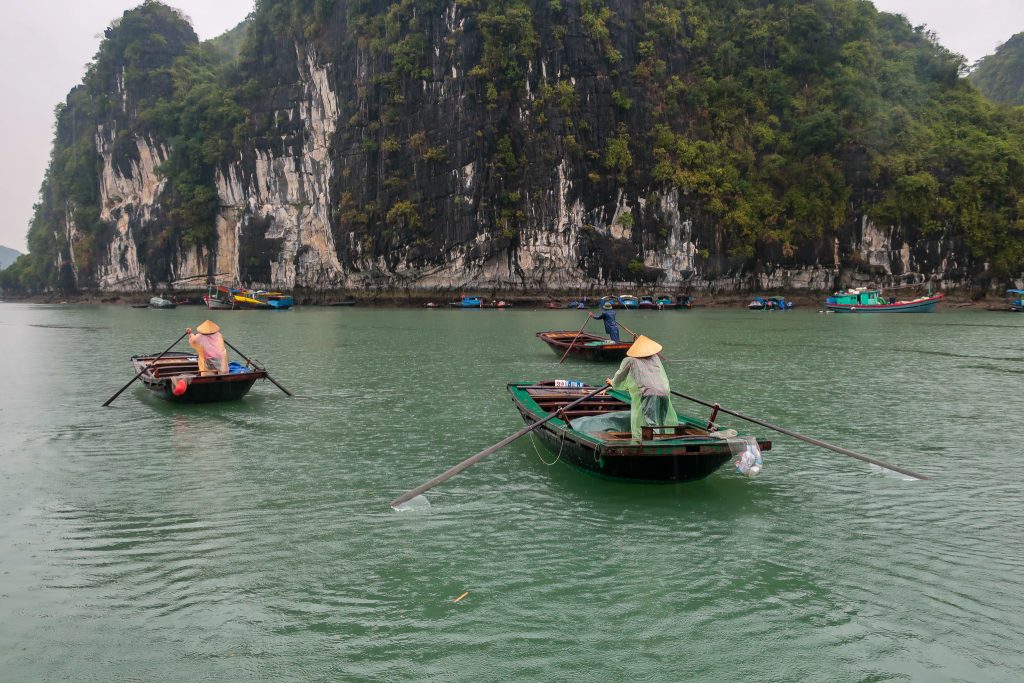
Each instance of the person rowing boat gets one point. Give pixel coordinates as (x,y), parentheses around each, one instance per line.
(209,345)
(611,326)
(643,376)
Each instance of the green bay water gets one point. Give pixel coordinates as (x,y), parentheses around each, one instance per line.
(253,540)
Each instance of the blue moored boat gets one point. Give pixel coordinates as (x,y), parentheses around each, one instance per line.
(770,303)
(467,302)
(862,300)
(1017,305)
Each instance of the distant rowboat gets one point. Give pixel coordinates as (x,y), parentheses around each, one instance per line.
(585,346)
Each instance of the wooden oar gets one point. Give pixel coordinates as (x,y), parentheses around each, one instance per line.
(801,437)
(256,365)
(469,462)
(111,399)
(574,340)
(635,335)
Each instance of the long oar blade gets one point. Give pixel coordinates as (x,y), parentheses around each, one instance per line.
(111,399)
(807,439)
(472,460)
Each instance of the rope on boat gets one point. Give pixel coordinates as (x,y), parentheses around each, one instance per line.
(540,457)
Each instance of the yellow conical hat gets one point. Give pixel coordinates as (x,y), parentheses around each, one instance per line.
(209,327)
(643,347)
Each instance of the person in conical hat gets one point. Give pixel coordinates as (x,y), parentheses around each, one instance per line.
(643,376)
(209,346)
(611,325)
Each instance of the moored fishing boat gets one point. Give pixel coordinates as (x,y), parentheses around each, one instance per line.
(647,303)
(629,301)
(863,300)
(164,377)
(584,345)
(667,302)
(1017,305)
(770,303)
(594,436)
(278,301)
(220,297)
(467,302)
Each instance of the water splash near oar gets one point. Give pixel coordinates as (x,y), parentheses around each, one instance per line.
(416,504)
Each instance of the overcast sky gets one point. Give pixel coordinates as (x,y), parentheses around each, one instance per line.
(45,44)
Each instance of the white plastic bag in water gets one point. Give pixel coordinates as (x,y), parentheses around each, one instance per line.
(749,463)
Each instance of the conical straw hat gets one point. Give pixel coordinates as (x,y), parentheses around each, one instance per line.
(209,327)
(643,347)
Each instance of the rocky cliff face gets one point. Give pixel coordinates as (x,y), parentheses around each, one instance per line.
(362,167)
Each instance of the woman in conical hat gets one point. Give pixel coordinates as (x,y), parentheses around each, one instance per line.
(209,346)
(643,376)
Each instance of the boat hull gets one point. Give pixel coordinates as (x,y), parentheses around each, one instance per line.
(562,341)
(923,306)
(217,304)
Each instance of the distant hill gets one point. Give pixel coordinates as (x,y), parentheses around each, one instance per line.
(1000,77)
(8,256)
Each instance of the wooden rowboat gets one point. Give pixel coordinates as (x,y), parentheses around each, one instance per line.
(161,375)
(586,346)
(685,452)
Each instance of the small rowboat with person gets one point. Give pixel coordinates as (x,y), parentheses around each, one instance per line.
(176,377)
(584,345)
(594,436)
(203,376)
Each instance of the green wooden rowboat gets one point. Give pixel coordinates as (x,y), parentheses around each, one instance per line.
(594,437)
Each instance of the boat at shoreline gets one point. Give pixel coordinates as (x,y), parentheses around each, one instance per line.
(221,297)
(175,377)
(770,303)
(1017,305)
(584,345)
(666,302)
(468,302)
(594,436)
(863,300)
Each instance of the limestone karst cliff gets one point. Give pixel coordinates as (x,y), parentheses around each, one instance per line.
(528,145)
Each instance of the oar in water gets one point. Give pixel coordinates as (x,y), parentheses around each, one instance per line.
(469,462)
(111,399)
(256,365)
(574,340)
(801,437)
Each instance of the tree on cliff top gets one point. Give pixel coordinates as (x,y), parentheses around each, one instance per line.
(1000,76)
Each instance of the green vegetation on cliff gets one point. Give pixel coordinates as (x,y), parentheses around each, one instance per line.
(778,123)
(1000,76)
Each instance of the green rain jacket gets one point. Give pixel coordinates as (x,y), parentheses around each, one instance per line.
(649,393)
